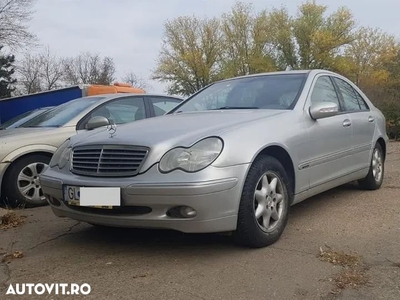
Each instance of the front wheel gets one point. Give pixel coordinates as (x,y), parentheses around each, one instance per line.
(374,179)
(264,205)
(22,186)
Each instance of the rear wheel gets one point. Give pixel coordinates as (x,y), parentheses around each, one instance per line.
(22,186)
(264,205)
(374,179)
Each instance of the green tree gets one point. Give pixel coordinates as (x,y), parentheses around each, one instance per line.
(387,94)
(6,75)
(311,39)
(369,55)
(370,61)
(190,56)
(320,39)
(197,52)
(281,44)
(245,35)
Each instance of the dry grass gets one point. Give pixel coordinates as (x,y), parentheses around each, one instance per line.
(340,258)
(353,274)
(351,278)
(8,257)
(11,219)
(141,276)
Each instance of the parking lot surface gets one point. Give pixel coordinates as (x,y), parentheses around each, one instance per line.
(149,264)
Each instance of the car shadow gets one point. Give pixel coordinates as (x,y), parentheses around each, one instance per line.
(165,240)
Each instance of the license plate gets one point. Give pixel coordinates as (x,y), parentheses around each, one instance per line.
(103,198)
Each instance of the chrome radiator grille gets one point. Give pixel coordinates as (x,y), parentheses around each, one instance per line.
(108,160)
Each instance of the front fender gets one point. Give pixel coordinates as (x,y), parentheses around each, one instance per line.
(12,156)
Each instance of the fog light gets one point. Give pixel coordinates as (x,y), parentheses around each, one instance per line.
(179,212)
(188,212)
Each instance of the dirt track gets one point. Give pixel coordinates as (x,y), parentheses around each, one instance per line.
(140,264)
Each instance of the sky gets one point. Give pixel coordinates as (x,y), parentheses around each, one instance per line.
(130,31)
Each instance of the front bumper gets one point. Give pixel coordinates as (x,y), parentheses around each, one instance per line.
(214,194)
(3,168)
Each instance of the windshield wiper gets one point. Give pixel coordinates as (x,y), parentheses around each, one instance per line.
(236,107)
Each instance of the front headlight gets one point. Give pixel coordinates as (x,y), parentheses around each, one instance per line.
(65,156)
(61,156)
(193,159)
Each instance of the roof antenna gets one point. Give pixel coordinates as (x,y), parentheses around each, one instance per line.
(289,68)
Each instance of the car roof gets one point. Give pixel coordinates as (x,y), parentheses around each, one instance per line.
(106,97)
(309,72)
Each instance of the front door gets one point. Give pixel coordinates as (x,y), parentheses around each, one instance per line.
(330,139)
(121,110)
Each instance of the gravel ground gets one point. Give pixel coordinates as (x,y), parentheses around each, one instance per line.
(361,226)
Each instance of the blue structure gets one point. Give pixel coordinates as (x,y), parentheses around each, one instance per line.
(12,107)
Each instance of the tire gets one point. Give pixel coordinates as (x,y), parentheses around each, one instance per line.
(21,170)
(377,167)
(251,232)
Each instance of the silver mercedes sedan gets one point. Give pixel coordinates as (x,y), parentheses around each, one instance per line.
(233,157)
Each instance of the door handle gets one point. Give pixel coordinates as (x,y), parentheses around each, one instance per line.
(346,123)
(371,119)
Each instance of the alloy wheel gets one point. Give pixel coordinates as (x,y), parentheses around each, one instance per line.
(268,201)
(28,182)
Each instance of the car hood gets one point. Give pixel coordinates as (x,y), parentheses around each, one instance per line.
(23,132)
(161,134)
(13,139)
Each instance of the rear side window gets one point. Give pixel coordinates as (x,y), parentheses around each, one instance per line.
(361,101)
(162,105)
(351,98)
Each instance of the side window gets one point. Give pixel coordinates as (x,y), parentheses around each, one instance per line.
(124,110)
(324,91)
(361,101)
(349,96)
(162,105)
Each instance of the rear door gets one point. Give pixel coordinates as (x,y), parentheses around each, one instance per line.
(363,123)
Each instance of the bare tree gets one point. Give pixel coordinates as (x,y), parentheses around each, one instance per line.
(14,30)
(106,71)
(88,68)
(136,81)
(28,72)
(52,70)
(40,72)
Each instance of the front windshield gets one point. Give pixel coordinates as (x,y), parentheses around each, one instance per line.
(62,114)
(14,122)
(259,92)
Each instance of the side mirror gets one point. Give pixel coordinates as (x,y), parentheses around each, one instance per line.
(323,110)
(97,122)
